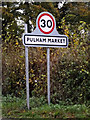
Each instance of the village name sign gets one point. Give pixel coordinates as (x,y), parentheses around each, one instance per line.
(45,34)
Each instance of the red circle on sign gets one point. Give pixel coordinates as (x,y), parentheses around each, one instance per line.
(39,23)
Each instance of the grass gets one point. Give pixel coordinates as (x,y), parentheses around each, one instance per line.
(13,107)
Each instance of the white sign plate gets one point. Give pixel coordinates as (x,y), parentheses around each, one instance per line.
(45,34)
(45,41)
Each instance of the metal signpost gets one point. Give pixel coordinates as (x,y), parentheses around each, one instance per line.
(45,35)
(27,70)
(48,74)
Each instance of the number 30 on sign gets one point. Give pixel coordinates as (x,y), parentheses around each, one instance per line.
(46,23)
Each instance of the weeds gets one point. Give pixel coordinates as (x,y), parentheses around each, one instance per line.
(16,107)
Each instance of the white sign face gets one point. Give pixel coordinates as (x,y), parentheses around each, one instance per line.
(46,23)
(45,34)
(45,41)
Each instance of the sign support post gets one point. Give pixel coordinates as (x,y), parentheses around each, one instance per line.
(48,74)
(27,71)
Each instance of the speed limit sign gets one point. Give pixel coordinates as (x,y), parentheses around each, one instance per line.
(45,34)
(46,23)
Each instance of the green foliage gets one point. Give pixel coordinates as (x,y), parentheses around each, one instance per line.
(70,76)
(69,67)
(13,107)
(37,102)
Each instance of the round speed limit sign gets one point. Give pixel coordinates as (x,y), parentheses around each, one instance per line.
(46,23)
